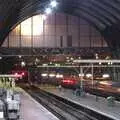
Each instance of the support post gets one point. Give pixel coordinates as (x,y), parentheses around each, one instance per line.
(81,73)
(92,75)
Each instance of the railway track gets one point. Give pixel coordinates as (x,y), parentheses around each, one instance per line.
(63,109)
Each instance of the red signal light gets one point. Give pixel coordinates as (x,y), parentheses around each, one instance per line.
(23,73)
(16,74)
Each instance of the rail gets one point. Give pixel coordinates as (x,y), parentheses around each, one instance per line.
(62,108)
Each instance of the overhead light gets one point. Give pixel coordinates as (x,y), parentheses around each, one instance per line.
(0,58)
(44,75)
(88,75)
(106,76)
(44,64)
(72,58)
(53,3)
(59,76)
(48,10)
(51,75)
(20,56)
(81,75)
(96,56)
(23,63)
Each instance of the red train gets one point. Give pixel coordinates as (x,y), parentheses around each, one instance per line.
(107,86)
(21,72)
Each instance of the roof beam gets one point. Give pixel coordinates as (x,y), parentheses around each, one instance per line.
(95,8)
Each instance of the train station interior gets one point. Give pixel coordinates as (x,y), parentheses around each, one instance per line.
(59,59)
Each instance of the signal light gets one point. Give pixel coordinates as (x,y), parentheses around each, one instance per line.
(16,74)
(23,73)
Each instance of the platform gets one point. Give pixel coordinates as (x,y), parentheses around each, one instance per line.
(32,110)
(89,101)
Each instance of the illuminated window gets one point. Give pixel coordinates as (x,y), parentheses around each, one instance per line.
(26,27)
(38,25)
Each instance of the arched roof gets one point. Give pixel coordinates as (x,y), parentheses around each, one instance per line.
(103,14)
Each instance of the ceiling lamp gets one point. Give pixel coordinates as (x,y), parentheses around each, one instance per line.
(53,4)
(48,10)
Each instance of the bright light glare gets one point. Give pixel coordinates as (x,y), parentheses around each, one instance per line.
(9,99)
(23,64)
(20,56)
(106,76)
(106,83)
(37,26)
(44,75)
(51,75)
(23,73)
(88,75)
(45,64)
(53,3)
(81,75)
(59,76)
(48,10)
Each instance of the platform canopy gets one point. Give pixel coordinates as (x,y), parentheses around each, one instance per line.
(97,61)
(102,14)
(9,76)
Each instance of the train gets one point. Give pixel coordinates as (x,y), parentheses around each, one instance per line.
(20,72)
(102,85)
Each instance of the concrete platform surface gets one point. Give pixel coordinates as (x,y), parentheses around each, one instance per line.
(32,110)
(89,101)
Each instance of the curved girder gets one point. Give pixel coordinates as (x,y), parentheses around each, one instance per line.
(108,9)
(103,13)
(96,15)
(107,19)
(92,12)
(40,7)
(112,4)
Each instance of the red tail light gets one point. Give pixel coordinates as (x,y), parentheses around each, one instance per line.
(69,82)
